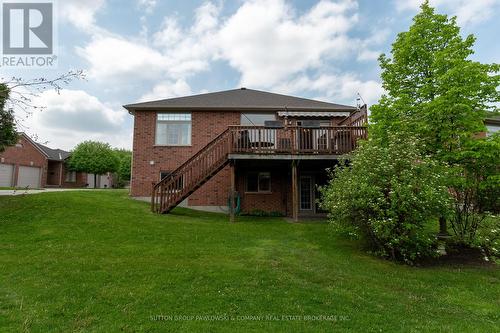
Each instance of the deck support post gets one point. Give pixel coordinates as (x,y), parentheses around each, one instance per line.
(295,193)
(232,199)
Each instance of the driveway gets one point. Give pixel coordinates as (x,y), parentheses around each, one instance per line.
(23,191)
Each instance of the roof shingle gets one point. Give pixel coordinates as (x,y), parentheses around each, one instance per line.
(239,99)
(54,154)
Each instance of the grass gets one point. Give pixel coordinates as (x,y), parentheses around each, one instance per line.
(100,262)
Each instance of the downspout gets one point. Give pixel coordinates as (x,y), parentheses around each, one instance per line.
(60,174)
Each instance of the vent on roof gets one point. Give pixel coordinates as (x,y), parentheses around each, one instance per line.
(243,88)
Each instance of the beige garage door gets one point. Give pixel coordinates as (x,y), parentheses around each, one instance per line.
(6,171)
(28,177)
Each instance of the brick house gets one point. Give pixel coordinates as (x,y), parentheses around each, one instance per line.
(492,126)
(250,150)
(31,164)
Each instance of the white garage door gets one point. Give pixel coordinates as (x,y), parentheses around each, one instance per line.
(6,171)
(90,180)
(28,177)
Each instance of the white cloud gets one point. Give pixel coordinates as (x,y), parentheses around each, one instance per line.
(365,46)
(189,50)
(402,5)
(167,89)
(467,11)
(341,88)
(148,5)
(74,116)
(115,59)
(368,55)
(267,42)
(174,52)
(81,13)
(474,11)
(206,18)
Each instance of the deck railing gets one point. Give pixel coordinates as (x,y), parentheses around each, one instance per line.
(335,140)
(193,173)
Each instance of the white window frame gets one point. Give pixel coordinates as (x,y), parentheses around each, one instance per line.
(181,118)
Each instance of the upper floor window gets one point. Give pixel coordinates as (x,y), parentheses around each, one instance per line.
(173,129)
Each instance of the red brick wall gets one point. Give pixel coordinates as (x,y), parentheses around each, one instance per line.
(54,173)
(205,127)
(81,179)
(27,155)
(275,201)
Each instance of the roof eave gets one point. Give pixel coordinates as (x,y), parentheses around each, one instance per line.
(492,121)
(131,108)
(35,144)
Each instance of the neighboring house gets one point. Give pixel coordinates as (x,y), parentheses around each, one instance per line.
(270,150)
(33,165)
(102,181)
(492,125)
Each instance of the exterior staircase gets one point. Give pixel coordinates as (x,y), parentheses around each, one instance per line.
(192,174)
(254,140)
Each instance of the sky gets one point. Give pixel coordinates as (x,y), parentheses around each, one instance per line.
(139,50)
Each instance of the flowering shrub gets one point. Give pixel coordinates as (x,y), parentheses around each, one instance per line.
(386,194)
(488,238)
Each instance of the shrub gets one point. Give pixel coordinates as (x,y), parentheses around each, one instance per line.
(387,194)
(488,238)
(262,213)
(123,172)
(476,187)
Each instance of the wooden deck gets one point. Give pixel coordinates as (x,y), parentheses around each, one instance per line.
(253,142)
(260,140)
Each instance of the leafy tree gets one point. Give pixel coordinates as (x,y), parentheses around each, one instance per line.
(124,170)
(94,157)
(17,94)
(433,89)
(387,194)
(8,133)
(437,93)
(476,187)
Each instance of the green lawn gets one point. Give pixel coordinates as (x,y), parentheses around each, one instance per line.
(100,262)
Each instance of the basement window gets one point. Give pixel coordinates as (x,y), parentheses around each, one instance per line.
(258,182)
(173,129)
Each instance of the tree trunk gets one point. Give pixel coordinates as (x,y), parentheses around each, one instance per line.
(443,230)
